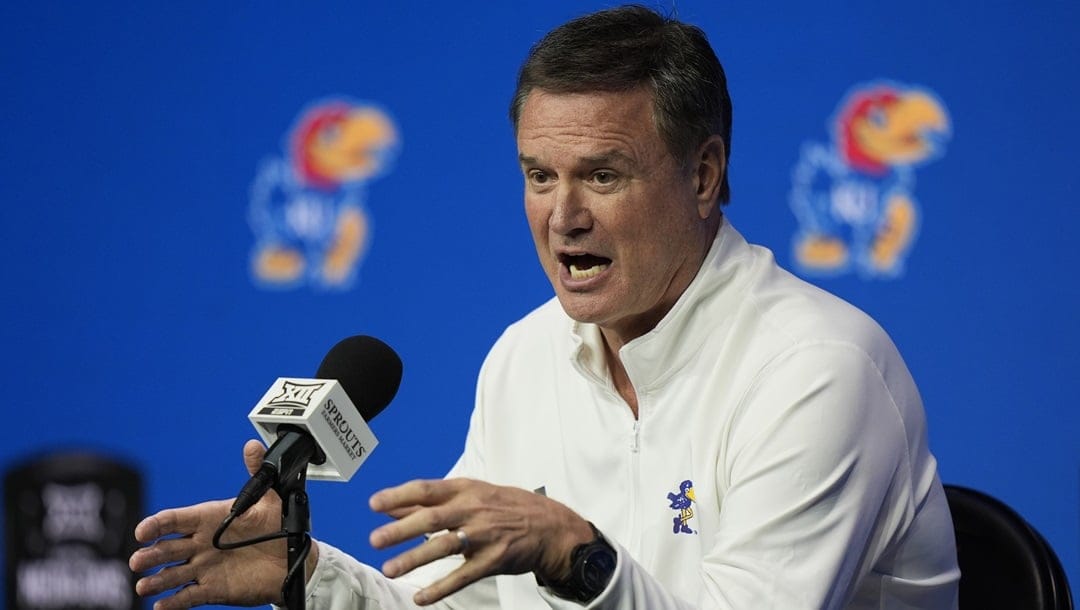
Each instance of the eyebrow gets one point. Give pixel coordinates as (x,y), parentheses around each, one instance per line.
(599,159)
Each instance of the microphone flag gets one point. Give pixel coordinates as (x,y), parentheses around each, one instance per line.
(321,408)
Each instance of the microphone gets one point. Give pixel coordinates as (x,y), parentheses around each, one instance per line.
(319,425)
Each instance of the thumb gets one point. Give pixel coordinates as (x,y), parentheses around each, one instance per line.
(253,456)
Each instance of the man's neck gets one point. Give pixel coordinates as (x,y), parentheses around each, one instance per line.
(619,378)
(616,337)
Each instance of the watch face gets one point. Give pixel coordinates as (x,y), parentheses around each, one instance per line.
(597,568)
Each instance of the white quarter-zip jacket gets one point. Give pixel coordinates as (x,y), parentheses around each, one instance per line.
(779,459)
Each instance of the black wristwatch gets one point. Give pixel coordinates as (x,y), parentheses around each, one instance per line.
(591,566)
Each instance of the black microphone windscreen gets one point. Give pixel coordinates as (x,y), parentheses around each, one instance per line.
(368,369)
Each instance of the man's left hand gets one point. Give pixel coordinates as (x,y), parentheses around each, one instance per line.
(506,530)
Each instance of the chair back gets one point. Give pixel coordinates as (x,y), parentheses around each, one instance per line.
(1004,562)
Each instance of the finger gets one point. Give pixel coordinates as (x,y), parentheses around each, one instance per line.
(253,456)
(418,523)
(148,529)
(436,547)
(468,573)
(405,511)
(168,550)
(168,578)
(420,492)
(183,521)
(190,596)
(164,523)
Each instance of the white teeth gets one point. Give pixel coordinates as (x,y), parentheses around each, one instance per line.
(580,274)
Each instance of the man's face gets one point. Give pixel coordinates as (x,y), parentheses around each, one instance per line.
(620,228)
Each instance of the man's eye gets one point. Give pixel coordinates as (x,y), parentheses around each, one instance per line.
(538,177)
(603,177)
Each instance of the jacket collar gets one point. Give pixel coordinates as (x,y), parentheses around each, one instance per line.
(651,359)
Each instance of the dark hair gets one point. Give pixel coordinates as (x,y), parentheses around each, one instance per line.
(624,48)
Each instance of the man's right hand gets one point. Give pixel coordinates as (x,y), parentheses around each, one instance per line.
(181,547)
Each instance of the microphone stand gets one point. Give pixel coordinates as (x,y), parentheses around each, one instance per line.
(296,521)
(285,469)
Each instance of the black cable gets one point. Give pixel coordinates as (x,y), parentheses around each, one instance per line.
(297,566)
(226,546)
(295,570)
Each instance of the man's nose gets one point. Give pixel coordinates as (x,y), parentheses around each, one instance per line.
(571,212)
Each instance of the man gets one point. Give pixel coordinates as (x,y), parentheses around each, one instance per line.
(685,426)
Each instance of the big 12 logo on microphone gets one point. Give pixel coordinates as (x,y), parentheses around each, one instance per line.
(293,399)
(323,409)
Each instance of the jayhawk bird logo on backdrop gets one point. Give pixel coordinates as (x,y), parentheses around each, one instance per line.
(307,208)
(854,197)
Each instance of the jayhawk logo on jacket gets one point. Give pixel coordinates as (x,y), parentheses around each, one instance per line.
(683,502)
(307,208)
(854,197)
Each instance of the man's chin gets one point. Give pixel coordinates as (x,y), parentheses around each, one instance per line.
(585,308)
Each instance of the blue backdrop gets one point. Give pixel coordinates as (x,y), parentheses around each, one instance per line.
(149,270)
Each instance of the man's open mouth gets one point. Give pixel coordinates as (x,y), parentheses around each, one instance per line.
(584,266)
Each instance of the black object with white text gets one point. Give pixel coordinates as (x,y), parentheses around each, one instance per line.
(69,521)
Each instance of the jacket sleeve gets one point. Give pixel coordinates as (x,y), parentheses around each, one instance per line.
(340,582)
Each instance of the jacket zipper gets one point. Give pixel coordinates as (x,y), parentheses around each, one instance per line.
(635,477)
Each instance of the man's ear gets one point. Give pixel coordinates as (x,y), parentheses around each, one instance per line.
(709,166)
